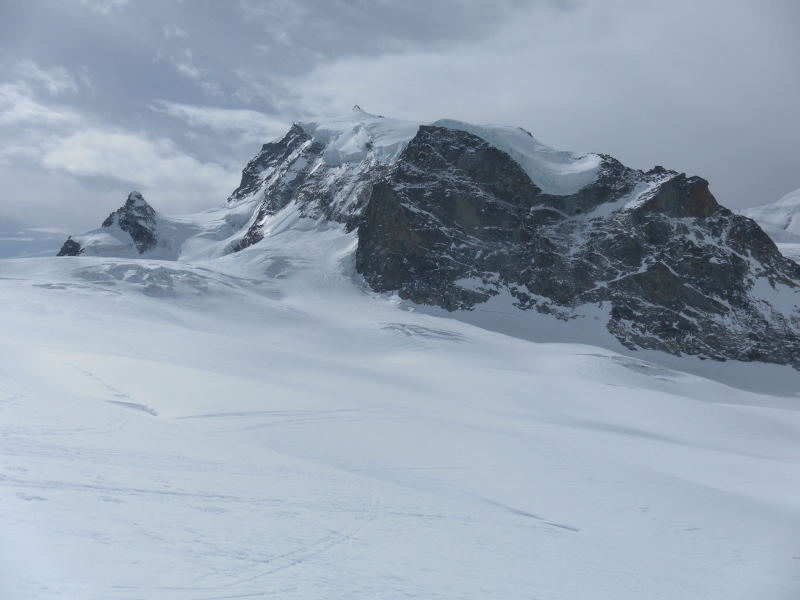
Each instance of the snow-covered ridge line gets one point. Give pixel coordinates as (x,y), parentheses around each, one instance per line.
(556,172)
(360,135)
(781,219)
(424,207)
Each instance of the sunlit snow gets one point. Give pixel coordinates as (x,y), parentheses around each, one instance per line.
(262,425)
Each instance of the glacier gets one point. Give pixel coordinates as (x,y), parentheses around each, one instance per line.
(262,425)
(194,423)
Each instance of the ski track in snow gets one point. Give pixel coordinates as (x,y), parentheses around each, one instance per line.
(304,438)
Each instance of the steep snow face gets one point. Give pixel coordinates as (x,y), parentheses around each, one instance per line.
(360,136)
(780,219)
(553,171)
(332,163)
(328,166)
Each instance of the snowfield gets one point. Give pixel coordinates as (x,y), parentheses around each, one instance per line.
(261,425)
(781,220)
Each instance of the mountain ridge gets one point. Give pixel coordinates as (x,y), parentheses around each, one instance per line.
(445,217)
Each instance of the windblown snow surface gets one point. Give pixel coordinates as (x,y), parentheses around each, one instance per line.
(781,220)
(260,425)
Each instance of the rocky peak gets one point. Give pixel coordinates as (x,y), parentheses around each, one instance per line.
(133,226)
(70,248)
(457,215)
(682,197)
(263,166)
(465,213)
(138,219)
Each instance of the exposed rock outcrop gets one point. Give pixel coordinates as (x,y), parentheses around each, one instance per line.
(70,248)
(455,215)
(132,228)
(454,220)
(138,219)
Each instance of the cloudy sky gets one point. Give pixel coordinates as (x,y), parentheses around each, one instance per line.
(99,97)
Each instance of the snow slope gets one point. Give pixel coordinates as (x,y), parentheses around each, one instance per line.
(259,425)
(781,220)
(554,171)
(352,138)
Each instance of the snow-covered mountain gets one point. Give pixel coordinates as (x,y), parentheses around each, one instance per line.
(221,405)
(479,219)
(135,229)
(781,220)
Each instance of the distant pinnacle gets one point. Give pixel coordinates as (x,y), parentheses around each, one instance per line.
(136,199)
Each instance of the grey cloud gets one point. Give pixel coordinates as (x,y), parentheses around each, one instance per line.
(194,88)
(18,106)
(105,7)
(684,84)
(56,80)
(174,32)
(254,126)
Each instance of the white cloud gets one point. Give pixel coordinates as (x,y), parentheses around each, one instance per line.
(156,166)
(258,88)
(251,124)
(277,17)
(680,83)
(18,106)
(85,79)
(640,81)
(56,80)
(187,69)
(105,7)
(47,146)
(174,32)
(183,64)
(211,89)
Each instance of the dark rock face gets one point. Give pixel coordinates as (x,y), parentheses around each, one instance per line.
(453,208)
(70,248)
(138,219)
(456,221)
(293,170)
(271,174)
(445,217)
(471,212)
(683,197)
